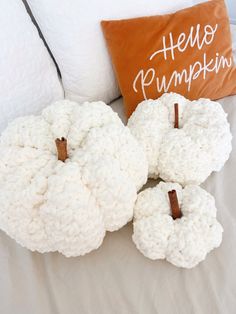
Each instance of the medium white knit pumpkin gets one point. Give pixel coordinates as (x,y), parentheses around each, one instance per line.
(177,224)
(64,195)
(184,143)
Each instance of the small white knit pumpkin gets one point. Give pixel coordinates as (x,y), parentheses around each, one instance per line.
(64,196)
(177,224)
(184,143)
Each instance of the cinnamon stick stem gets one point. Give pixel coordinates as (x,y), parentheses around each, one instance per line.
(61,145)
(174,204)
(176,116)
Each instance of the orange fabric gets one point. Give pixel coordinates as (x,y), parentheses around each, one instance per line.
(188,52)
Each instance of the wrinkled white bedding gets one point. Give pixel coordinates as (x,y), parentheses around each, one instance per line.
(117,278)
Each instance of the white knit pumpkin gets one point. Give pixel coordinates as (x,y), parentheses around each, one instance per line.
(184,241)
(187,154)
(51,205)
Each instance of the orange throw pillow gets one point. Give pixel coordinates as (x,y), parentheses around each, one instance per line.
(188,52)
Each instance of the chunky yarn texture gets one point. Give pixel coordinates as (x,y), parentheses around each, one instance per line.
(190,153)
(67,205)
(185,241)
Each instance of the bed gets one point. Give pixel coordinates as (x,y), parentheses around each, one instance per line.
(117,278)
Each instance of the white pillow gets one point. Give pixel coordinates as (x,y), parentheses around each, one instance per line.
(28,76)
(72,31)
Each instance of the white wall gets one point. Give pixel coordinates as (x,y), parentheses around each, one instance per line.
(232,10)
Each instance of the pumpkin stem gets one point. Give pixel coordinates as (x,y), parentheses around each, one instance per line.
(61,148)
(176,116)
(174,204)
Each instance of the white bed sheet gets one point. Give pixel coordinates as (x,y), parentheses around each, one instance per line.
(117,278)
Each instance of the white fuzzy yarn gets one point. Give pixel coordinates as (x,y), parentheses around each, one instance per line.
(187,155)
(184,242)
(50,205)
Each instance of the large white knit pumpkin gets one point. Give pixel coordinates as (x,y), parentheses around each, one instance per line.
(177,224)
(184,143)
(64,195)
